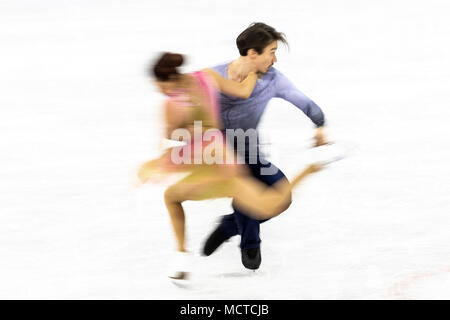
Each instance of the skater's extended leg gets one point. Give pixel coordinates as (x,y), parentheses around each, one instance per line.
(204,183)
(177,218)
(266,202)
(249,227)
(253,196)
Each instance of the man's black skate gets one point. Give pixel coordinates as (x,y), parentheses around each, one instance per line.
(251,258)
(214,241)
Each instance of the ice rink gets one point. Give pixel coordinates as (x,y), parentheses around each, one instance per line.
(78,115)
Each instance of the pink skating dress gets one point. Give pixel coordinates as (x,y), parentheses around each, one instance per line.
(194,154)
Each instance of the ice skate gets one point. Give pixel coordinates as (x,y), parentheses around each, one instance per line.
(181,267)
(251,258)
(328,153)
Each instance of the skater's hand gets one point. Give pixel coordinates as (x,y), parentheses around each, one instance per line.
(319,137)
(143,174)
(136,182)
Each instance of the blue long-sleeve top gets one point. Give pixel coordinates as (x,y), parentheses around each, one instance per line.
(246,113)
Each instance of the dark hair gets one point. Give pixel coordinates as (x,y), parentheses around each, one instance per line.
(258,36)
(166,66)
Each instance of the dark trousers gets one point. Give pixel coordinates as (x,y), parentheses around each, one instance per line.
(238,222)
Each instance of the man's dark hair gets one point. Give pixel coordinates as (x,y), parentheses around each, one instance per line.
(258,36)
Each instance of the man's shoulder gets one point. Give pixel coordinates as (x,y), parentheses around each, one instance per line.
(271,75)
(274,72)
(277,77)
(221,68)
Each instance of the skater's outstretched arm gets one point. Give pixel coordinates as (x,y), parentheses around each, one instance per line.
(286,90)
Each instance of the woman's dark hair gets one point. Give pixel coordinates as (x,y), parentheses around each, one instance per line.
(166,66)
(258,36)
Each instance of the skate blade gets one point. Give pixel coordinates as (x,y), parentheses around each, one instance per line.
(251,272)
(327,154)
(180,276)
(181,280)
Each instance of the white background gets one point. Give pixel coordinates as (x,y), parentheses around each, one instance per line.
(78,115)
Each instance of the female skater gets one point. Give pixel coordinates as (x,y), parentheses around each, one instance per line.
(193,97)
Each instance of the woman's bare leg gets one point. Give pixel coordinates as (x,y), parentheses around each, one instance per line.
(265,202)
(177,219)
(202,184)
(251,195)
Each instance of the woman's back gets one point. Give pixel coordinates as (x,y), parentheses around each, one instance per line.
(197,102)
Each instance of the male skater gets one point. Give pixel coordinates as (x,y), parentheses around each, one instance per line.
(257,46)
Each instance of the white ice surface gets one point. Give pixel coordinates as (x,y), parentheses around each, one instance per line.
(77,115)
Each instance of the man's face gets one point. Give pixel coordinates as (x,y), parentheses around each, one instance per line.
(266,59)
